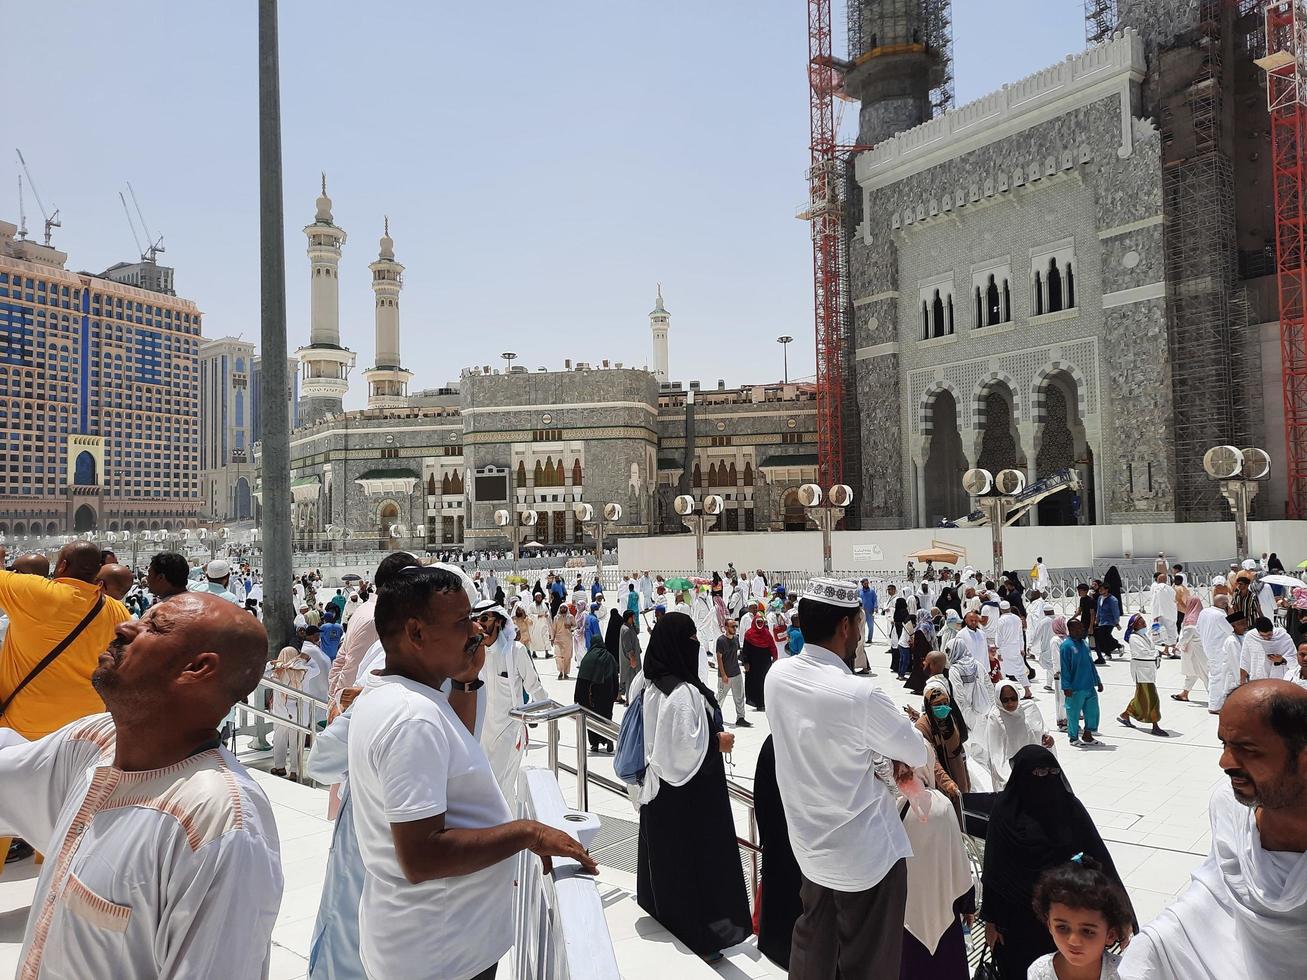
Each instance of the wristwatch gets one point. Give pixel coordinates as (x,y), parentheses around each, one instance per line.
(466,686)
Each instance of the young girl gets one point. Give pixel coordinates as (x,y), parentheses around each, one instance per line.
(1086,912)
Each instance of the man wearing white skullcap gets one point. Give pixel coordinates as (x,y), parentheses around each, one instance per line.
(1011,644)
(829,728)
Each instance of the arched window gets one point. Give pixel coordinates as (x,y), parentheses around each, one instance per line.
(538,475)
(446,484)
(712,474)
(697,480)
(993,311)
(925,321)
(240,365)
(980,309)
(577,472)
(521,473)
(1007,302)
(1070,288)
(83,471)
(458,484)
(950,314)
(559,479)
(431,484)
(1054,287)
(1039,294)
(748,474)
(937,315)
(732,477)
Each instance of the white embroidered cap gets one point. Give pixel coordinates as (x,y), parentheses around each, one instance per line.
(833,592)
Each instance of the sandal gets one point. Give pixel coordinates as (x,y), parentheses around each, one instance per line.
(1177,697)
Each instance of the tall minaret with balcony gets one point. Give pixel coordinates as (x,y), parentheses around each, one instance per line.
(659,323)
(324,364)
(387,381)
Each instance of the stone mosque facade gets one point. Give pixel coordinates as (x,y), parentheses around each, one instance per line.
(428,469)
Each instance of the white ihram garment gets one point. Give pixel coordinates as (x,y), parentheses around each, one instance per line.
(1244,913)
(507,670)
(1009,640)
(1256,653)
(1214,631)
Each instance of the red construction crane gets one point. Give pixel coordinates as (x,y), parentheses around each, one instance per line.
(825,210)
(1285,94)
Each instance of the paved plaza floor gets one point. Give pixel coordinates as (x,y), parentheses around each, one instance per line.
(1147,794)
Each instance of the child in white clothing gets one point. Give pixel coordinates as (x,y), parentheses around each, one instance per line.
(1086,912)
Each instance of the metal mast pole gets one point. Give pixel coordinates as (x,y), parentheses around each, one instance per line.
(274,430)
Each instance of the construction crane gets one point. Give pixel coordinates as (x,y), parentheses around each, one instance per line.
(51,220)
(1286,89)
(827,171)
(155,245)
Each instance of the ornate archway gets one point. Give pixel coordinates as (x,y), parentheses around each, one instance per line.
(84,519)
(945,461)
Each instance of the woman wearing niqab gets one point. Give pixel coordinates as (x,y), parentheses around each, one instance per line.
(1036,823)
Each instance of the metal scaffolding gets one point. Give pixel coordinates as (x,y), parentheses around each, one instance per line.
(1100,21)
(1201,254)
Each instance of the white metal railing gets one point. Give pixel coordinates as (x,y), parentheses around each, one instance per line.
(559,929)
(549,713)
(316,711)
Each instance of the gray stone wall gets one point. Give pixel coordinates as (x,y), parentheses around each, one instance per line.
(1109,206)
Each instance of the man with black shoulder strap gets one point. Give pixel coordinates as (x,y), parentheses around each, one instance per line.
(36,700)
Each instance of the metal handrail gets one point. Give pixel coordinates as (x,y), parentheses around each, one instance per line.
(550,712)
(301,698)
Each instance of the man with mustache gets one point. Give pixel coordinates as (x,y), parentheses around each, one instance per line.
(1245,911)
(436,836)
(160,848)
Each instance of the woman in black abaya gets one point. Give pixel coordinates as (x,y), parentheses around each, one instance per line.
(779,904)
(756,656)
(1036,823)
(613,635)
(689,876)
(596,688)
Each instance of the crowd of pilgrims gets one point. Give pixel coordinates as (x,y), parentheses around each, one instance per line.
(863,809)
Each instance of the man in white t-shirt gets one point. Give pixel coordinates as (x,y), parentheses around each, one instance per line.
(436,837)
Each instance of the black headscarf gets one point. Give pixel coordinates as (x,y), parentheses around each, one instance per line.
(948,599)
(613,633)
(901,614)
(673,656)
(1036,823)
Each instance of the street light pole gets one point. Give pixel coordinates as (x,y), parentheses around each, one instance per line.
(785,342)
(274,430)
(1240,472)
(596,522)
(825,510)
(997,506)
(699,523)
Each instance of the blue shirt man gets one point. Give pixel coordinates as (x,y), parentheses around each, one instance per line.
(1109,610)
(870,605)
(592,628)
(1080,684)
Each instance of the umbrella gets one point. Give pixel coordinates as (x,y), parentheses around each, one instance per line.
(533,544)
(935,554)
(1302,564)
(1288,581)
(351,577)
(679,584)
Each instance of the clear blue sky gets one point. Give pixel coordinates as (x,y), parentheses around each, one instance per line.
(543,164)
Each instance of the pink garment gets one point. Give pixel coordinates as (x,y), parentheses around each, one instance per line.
(1192,610)
(362,633)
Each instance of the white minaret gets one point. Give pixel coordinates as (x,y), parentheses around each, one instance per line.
(324,364)
(659,321)
(387,381)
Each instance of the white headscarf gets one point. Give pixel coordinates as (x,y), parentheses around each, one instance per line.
(959,656)
(1005,733)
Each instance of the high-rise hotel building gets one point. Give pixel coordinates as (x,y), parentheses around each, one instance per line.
(99,397)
